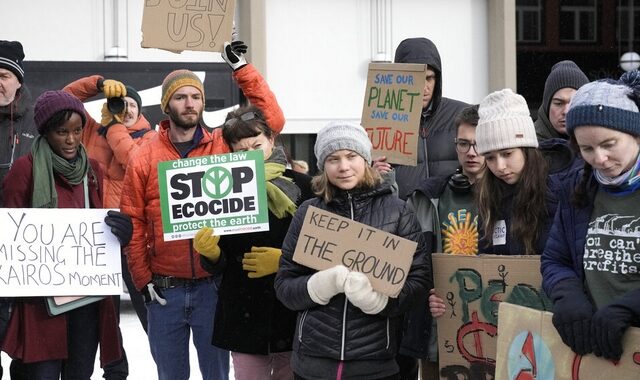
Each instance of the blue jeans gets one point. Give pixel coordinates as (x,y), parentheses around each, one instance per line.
(189,308)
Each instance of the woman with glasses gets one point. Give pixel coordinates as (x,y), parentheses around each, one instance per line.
(515,204)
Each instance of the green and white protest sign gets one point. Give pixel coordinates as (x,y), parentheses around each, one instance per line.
(223,191)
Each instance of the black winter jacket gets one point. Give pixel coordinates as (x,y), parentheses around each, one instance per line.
(339,330)
(436,149)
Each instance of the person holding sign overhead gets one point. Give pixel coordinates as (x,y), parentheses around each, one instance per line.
(590,263)
(250,322)
(180,295)
(345,328)
(58,174)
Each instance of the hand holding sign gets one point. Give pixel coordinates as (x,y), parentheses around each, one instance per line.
(206,244)
(233,54)
(358,290)
(261,261)
(325,284)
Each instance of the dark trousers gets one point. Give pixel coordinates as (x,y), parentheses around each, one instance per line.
(118,370)
(392,377)
(408,367)
(136,297)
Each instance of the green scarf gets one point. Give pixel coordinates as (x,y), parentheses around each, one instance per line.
(45,164)
(281,191)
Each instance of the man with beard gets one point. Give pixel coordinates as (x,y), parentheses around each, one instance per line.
(180,296)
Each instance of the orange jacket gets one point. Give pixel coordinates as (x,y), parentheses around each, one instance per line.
(112,151)
(148,252)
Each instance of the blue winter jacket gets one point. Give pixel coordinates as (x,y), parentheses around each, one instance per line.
(562,256)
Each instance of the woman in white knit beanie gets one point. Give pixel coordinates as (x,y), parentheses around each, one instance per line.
(347,329)
(511,195)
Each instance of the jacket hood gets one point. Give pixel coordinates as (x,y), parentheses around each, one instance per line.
(422,50)
(559,155)
(544,129)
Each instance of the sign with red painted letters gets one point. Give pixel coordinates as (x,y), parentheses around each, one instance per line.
(529,348)
(392,110)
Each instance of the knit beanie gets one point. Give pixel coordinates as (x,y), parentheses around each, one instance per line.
(338,135)
(11,56)
(175,80)
(563,74)
(504,123)
(133,94)
(607,103)
(50,103)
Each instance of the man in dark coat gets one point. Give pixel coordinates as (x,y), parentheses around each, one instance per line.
(436,152)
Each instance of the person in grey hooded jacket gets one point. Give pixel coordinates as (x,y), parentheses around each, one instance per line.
(437,129)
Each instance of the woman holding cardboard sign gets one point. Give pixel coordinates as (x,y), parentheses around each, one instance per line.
(590,265)
(58,174)
(345,328)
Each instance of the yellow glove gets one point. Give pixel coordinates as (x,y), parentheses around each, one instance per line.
(108,119)
(113,89)
(261,261)
(206,244)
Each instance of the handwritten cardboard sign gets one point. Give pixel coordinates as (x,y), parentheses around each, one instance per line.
(222,191)
(327,240)
(58,252)
(529,347)
(178,25)
(473,287)
(392,110)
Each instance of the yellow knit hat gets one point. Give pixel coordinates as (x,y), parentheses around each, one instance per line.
(175,80)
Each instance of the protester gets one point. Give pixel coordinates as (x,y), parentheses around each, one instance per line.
(17,129)
(58,174)
(449,220)
(436,155)
(563,81)
(345,329)
(250,322)
(168,272)
(515,202)
(594,288)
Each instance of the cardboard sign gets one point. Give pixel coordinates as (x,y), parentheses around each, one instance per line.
(392,110)
(327,240)
(223,191)
(58,252)
(473,287)
(178,25)
(529,347)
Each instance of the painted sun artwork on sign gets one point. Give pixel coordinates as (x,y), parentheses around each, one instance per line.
(460,234)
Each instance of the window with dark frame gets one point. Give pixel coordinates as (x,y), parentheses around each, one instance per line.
(578,20)
(528,21)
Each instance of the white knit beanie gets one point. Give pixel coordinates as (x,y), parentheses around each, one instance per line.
(339,135)
(504,123)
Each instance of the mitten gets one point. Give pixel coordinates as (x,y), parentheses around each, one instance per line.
(359,292)
(206,244)
(261,261)
(121,226)
(325,284)
(109,118)
(610,323)
(113,89)
(572,312)
(150,293)
(233,54)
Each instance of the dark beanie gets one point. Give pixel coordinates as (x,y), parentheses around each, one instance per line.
(11,56)
(52,102)
(563,74)
(606,103)
(133,94)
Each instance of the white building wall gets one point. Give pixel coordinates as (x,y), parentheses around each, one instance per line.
(317,51)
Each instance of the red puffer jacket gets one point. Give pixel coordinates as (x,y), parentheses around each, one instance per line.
(148,252)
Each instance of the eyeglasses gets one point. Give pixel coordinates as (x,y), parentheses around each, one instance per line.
(463,146)
(244,117)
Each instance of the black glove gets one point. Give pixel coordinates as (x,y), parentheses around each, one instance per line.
(151,292)
(233,54)
(610,323)
(121,226)
(572,312)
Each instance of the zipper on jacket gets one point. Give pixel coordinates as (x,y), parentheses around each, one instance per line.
(388,335)
(304,316)
(346,301)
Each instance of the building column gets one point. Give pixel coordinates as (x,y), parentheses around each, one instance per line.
(502,44)
(251,25)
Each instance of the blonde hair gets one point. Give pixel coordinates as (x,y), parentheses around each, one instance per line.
(323,188)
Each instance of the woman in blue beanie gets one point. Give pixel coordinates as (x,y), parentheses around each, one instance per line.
(58,174)
(345,328)
(590,265)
